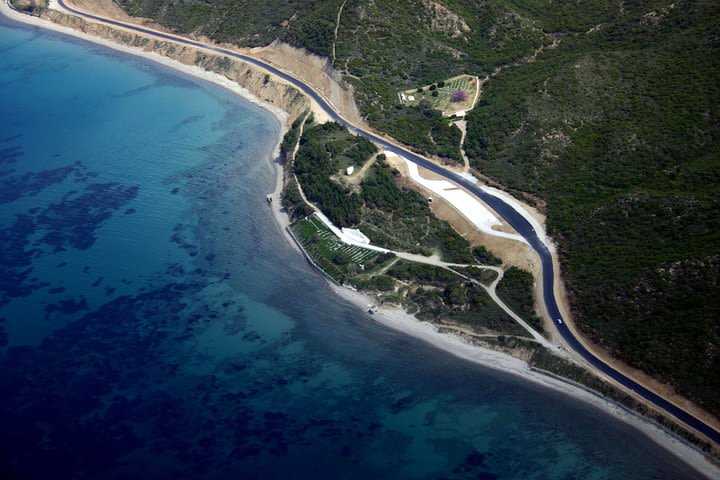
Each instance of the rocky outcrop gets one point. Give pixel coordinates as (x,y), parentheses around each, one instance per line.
(257,81)
(444,20)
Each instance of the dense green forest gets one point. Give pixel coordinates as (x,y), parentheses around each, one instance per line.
(616,127)
(618,131)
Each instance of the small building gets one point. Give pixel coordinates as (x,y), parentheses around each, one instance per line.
(350,170)
(411,98)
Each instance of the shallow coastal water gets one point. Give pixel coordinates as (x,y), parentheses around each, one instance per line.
(155,323)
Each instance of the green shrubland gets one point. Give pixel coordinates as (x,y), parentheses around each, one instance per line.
(393,217)
(618,131)
(516,290)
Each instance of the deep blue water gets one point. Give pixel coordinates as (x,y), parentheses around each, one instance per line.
(154,323)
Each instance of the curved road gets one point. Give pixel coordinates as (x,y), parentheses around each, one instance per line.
(512,217)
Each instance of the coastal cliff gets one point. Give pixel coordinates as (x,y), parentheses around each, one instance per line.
(314,70)
(259,83)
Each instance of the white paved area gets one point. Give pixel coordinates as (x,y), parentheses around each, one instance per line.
(478,214)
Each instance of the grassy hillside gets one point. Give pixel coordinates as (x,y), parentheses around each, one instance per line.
(618,130)
(616,127)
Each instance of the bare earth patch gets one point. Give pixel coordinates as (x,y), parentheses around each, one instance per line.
(104,8)
(314,70)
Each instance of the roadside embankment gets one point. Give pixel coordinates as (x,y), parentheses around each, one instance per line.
(315,71)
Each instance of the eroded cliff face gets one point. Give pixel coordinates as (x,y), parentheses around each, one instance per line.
(314,70)
(265,87)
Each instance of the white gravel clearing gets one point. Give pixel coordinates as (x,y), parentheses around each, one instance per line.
(477,213)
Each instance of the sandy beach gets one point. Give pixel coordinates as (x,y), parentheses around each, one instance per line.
(393,318)
(455,345)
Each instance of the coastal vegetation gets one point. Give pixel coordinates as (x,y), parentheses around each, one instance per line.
(484,256)
(391,216)
(479,272)
(292,199)
(326,150)
(516,290)
(394,217)
(606,111)
(441,296)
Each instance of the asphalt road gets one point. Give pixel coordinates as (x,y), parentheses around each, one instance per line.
(512,217)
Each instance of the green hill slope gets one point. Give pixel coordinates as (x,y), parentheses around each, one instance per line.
(609,111)
(618,131)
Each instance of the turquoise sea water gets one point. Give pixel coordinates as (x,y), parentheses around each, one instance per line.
(154,323)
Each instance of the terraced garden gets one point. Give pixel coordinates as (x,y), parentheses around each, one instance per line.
(450,96)
(337,259)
